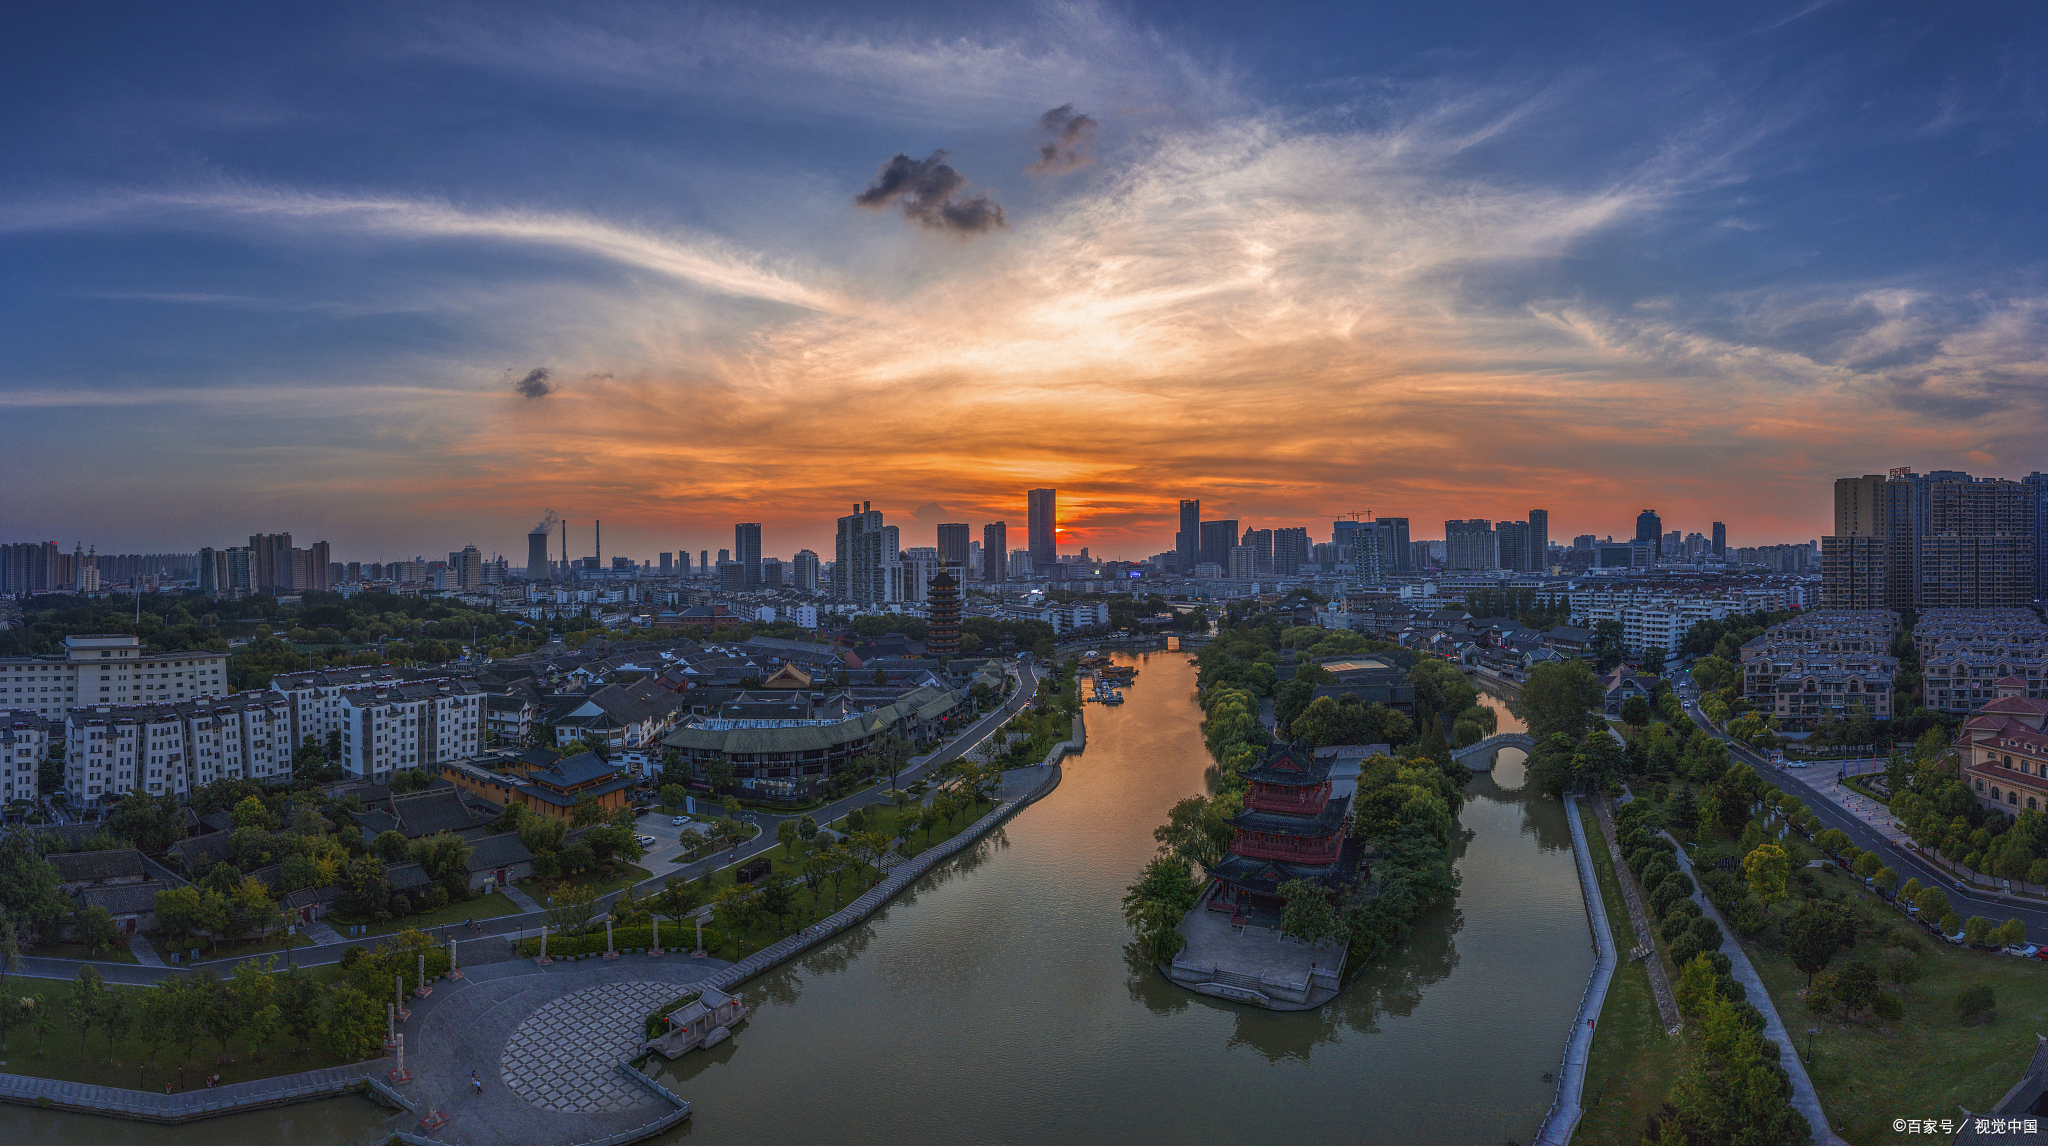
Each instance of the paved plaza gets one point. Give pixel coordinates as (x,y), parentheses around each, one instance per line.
(1255,958)
(545,1044)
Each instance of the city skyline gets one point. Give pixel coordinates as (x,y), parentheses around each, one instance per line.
(1467,266)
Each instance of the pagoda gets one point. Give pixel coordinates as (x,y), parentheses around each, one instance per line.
(942,632)
(1291,828)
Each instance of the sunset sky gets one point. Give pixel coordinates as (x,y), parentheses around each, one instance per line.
(403,276)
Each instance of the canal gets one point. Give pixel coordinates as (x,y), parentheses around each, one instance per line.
(995,1002)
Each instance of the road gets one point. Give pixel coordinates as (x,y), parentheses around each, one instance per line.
(505,927)
(1965,900)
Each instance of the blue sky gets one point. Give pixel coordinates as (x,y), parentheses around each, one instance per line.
(270,267)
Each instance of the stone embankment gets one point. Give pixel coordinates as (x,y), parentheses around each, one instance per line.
(1565,1111)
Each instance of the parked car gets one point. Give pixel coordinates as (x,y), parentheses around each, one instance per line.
(2042,953)
(645,841)
(678,821)
(2023,951)
(1959,939)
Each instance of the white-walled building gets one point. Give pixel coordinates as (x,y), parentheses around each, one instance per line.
(24,745)
(108,669)
(412,724)
(316,697)
(170,749)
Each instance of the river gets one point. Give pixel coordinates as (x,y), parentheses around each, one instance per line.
(995,1002)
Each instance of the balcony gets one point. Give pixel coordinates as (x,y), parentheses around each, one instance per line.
(1296,801)
(1287,849)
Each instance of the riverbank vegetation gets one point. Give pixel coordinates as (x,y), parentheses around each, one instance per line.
(1404,811)
(255,1022)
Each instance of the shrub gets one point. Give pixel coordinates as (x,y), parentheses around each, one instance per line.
(1975,1000)
(1684,908)
(1747,916)
(1674,927)
(1662,899)
(1707,934)
(1681,880)
(1685,949)
(1887,1006)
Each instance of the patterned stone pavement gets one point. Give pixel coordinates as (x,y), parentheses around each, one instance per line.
(565,1055)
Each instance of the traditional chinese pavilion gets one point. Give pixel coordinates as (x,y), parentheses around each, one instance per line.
(1291,828)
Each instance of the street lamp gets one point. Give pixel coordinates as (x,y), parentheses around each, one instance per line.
(1810,1032)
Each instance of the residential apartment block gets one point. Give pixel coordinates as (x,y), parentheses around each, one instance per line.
(1827,664)
(396,725)
(315,697)
(2005,751)
(170,749)
(108,669)
(1966,653)
(24,745)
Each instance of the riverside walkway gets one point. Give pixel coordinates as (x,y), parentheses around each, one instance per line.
(1565,1111)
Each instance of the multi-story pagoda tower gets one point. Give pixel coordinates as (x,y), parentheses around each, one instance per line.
(1291,828)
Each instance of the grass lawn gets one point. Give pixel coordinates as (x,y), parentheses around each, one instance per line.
(120,953)
(65,1055)
(540,889)
(1868,1072)
(482,907)
(1634,1063)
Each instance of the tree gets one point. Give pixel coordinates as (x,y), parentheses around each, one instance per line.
(1635,712)
(85,1003)
(28,882)
(1696,983)
(777,896)
(391,846)
(1559,697)
(736,907)
(1731,1092)
(1766,867)
(1308,915)
(787,835)
(673,796)
(1931,903)
(570,908)
(1814,933)
(1154,905)
(2011,933)
(298,999)
(353,1027)
(117,1018)
(445,858)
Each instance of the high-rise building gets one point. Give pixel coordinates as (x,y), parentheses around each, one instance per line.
(867,566)
(1260,542)
(468,566)
(2038,482)
(804,570)
(1215,542)
(746,545)
(995,551)
(1188,542)
(1042,527)
(1511,539)
(1243,565)
(1397,531)
(704,562)
(1290,550)
(1471,545)
(668,564)
(270,562)
(1649,527)
(213,568)
(1020,565)
(1539,540)
(1720,540)
(1977,548)
(952,538)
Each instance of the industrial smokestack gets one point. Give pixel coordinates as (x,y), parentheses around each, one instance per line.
(598,541)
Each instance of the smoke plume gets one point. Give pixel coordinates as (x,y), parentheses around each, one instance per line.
(1070,142)
(929,191)
(547,523)
(535,385)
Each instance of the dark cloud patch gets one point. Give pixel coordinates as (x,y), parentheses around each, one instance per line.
(930,192)
(1069,141)
(931,513)
(535,385)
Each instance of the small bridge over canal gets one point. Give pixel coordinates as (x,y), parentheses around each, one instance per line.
(1479,757)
